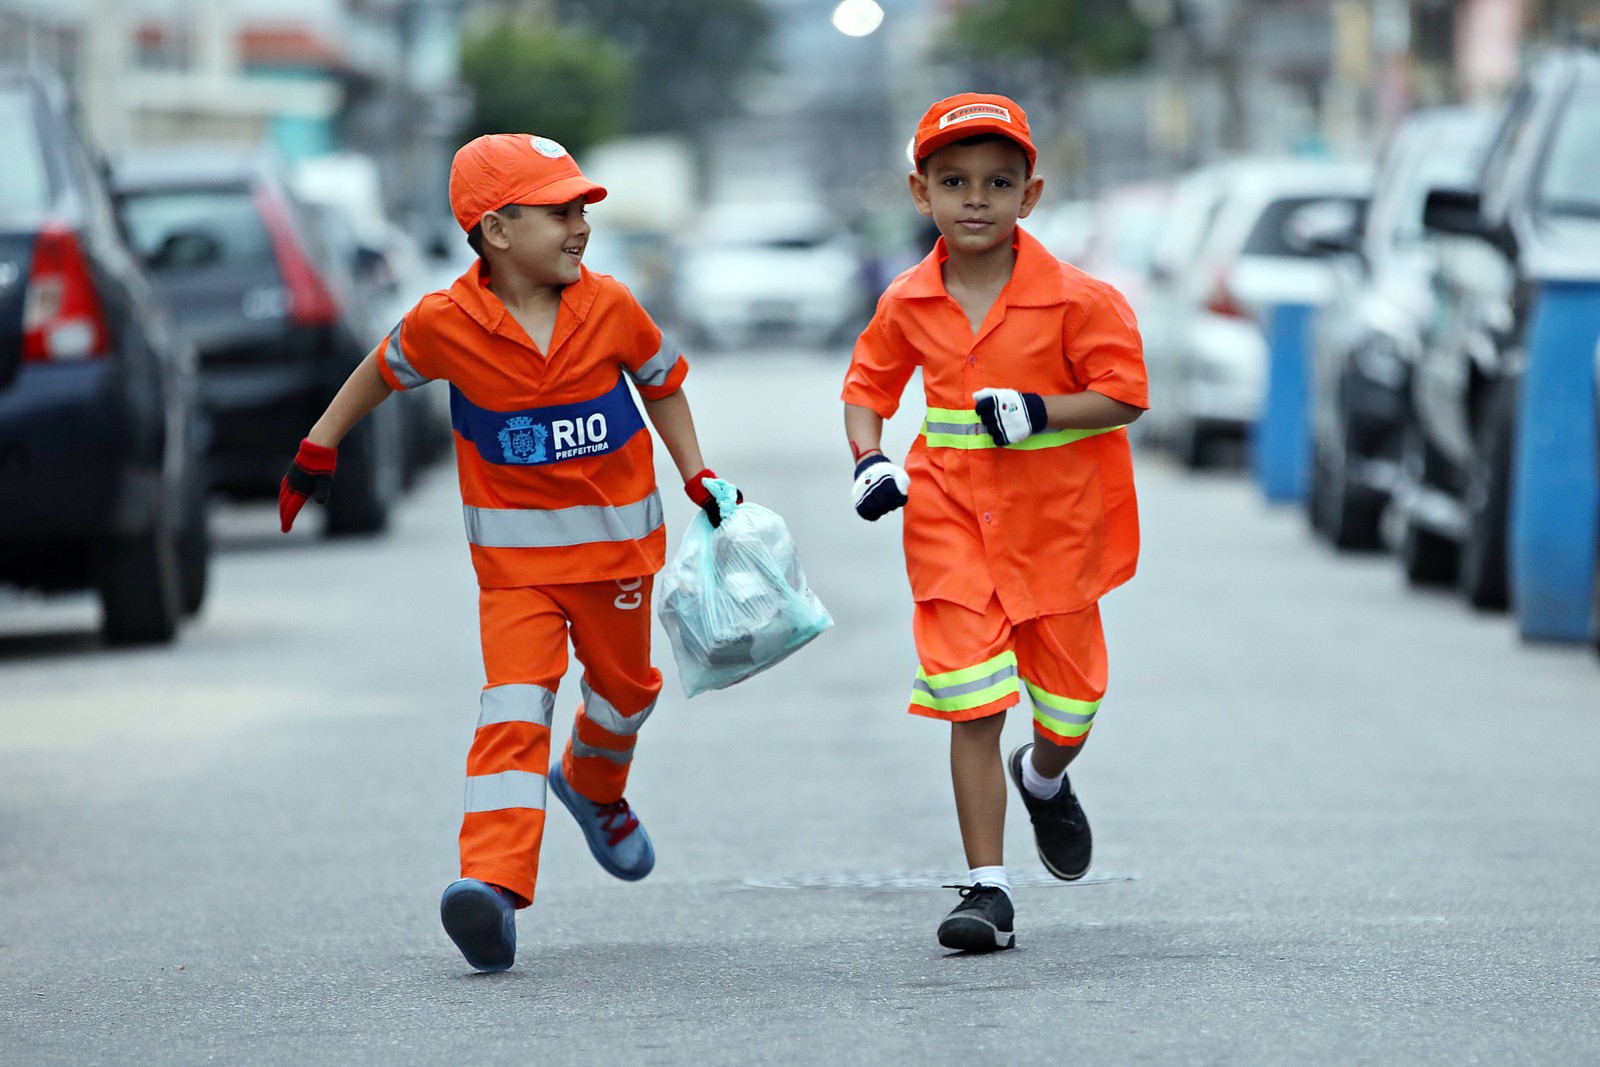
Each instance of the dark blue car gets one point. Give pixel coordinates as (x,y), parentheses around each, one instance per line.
(101,438)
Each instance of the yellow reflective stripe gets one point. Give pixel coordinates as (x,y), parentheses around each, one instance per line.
(1007,658)
(1063,716)
(968,688)
(954,428)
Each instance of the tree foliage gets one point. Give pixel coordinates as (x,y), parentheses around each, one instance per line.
(688,54)
(1075,37)
(559,82)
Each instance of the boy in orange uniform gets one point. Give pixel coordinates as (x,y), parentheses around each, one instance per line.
(562,514)
(1019,497)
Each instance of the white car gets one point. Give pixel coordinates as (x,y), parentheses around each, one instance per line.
(771,271)
(1237,245)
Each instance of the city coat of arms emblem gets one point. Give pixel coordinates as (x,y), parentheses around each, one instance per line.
(523,440)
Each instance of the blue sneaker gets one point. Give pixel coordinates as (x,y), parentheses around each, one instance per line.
(615,837)
(482,920)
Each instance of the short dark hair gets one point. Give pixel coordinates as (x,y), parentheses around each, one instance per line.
(980,138)
(475,235)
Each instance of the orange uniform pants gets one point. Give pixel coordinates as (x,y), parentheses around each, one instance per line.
(975,664)
(525,632)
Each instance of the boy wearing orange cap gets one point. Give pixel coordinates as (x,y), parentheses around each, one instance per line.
(562,515)
(1018,493)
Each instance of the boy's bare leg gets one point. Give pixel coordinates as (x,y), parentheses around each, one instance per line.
(979,778)
(1049,758)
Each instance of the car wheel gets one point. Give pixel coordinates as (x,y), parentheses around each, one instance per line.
(1351,516)
(140,586)
(1193,447)
(1426,558)
(1483,578)
(368,480)
(194,540)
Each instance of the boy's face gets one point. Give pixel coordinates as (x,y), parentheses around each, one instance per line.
(976,193)
(545,242)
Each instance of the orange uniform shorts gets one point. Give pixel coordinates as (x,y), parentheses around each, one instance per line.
(975,663)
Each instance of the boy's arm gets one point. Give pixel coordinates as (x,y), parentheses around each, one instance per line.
(1009,415)
(1087,410)
(674,424)
(311,473)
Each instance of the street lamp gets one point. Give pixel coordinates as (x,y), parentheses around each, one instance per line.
(857,18)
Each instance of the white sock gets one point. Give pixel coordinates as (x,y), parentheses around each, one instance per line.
(1036,783)
(995,876)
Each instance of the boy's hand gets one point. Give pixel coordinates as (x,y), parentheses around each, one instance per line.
(310,475)
(880,486)
(1008,415)
(696,488)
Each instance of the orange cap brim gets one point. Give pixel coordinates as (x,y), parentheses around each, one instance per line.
(964,130)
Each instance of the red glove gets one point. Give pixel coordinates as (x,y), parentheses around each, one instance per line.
(696,488)
(310,475)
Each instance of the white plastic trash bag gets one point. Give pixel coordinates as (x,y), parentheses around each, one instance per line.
(735,600)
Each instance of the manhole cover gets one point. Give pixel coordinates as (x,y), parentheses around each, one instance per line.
(917,880)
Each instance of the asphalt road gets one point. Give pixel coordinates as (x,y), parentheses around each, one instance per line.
(1337,822)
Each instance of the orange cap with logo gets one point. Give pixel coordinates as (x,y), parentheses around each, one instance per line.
(964,115)
(497,169)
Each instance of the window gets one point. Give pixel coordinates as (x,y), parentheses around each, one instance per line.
(25,180)
(227,216)
(1568,183)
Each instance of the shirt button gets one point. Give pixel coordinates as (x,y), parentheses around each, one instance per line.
(988,516)
(972,361)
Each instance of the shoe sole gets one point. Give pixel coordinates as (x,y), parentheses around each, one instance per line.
(1014,772)
(968,933)
(474,923)
(564,793)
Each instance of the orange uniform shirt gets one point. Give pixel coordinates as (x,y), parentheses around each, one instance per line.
(556,464)
(1048,529)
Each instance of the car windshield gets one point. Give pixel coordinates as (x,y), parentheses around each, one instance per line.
(227,216)
(25,180)
(1568,185)
(1270,237)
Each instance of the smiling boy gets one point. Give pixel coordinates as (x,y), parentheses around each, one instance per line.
(1019,498)
(562,515)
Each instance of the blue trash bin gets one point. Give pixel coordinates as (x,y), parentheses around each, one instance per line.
(1555,487)
(1280,442)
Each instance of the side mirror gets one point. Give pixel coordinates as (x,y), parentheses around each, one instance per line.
(1327,227)
(185,250)
(1459,212)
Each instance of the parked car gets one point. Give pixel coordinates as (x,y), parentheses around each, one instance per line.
(1369,335)
(1533,198)
(1124,235)
(768,271)
(102,441)
(1241,251)
(249,274)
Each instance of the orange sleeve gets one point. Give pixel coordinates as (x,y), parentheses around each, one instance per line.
(1104,349)
(880,365)
(651,359)
(404,359)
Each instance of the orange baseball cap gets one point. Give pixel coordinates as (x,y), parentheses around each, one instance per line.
(967,115)
(497,169)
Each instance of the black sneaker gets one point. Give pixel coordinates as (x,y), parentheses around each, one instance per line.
(1060,828)
(981,922)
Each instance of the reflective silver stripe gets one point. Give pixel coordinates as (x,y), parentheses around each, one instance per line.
(508,789)
(403,370)
(654,370)
(562,527)
(961,689)
(968,429)
(604,714)
(516,703)
(581,751)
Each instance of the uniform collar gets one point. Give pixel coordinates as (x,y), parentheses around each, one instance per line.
(1036,278)
(471,293)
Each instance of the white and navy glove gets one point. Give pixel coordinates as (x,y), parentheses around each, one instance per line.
(1010,416)
(880,486)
